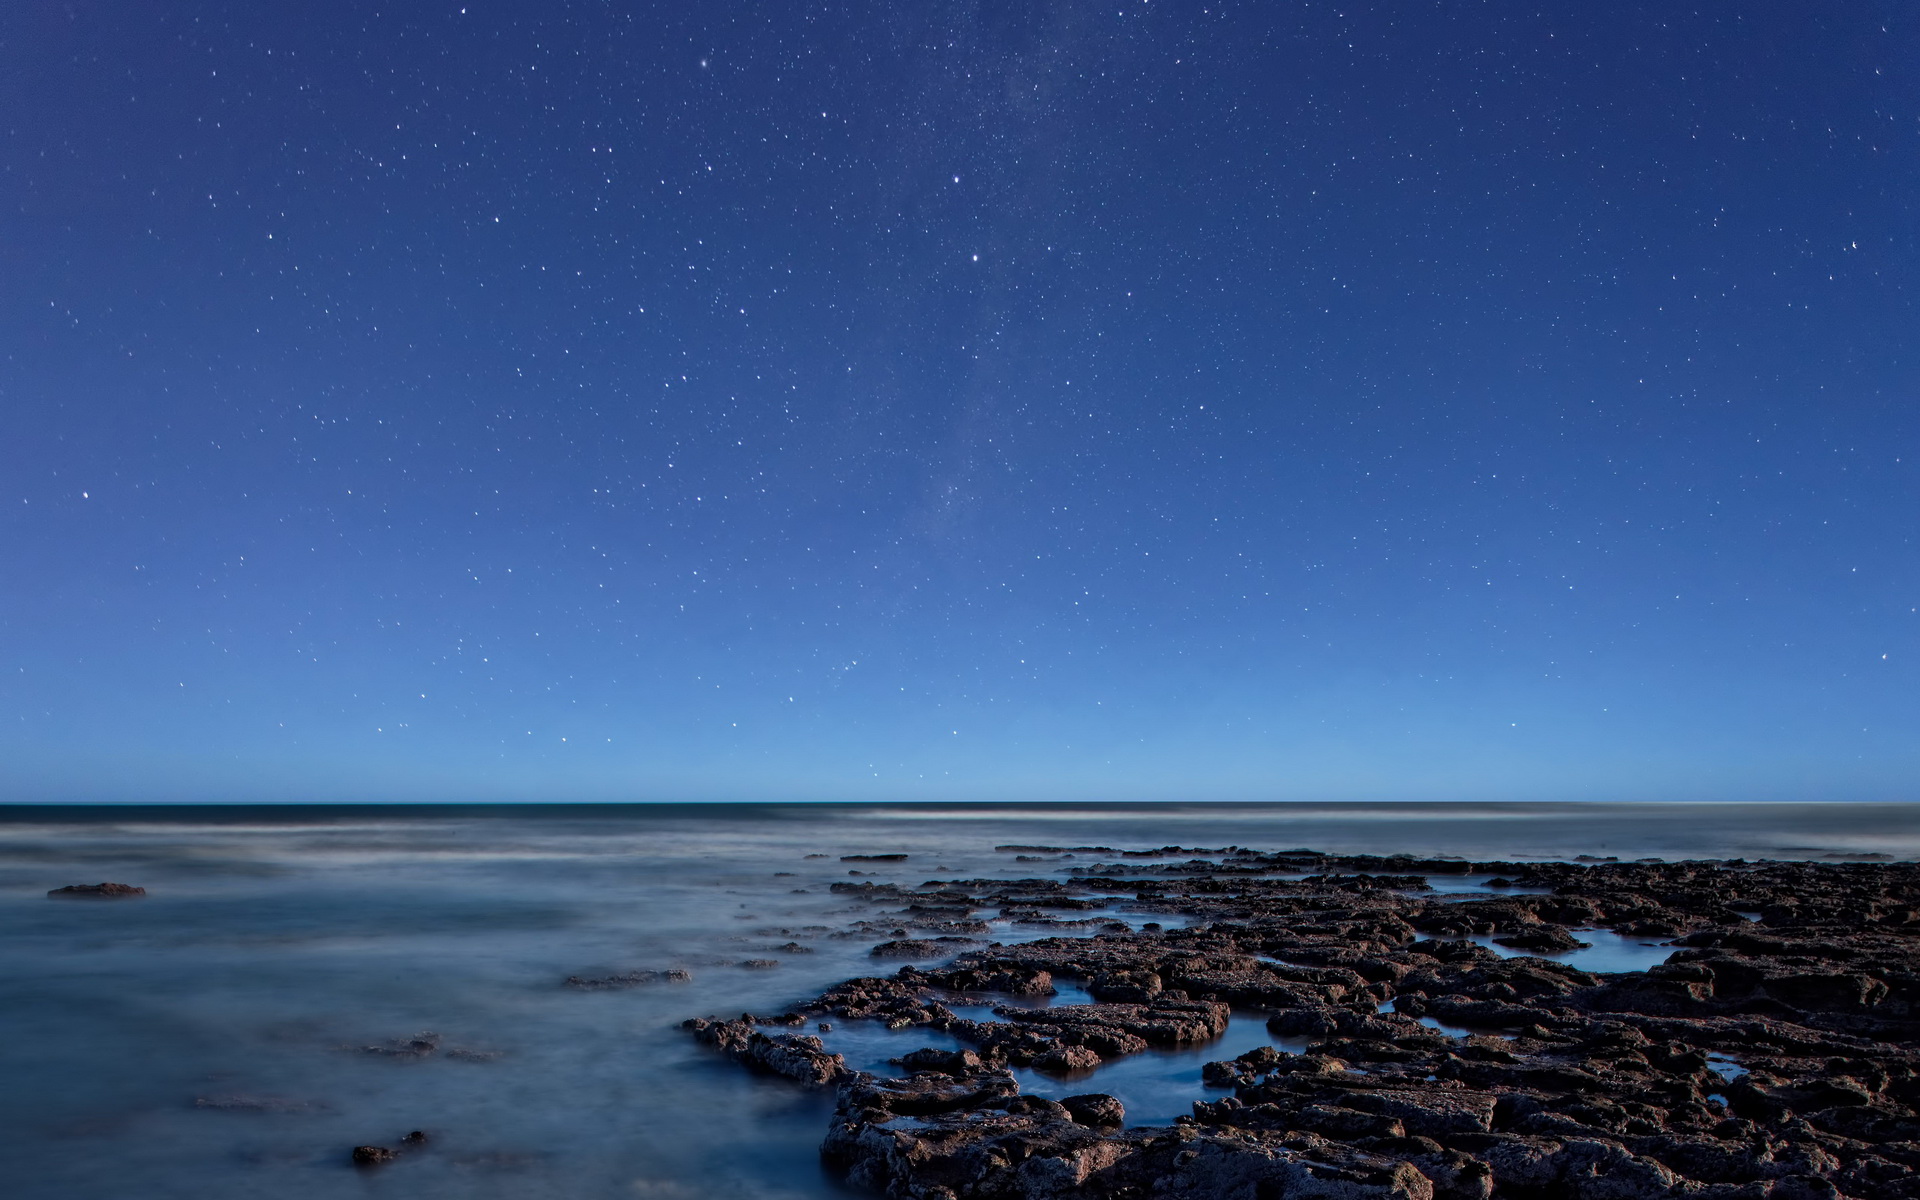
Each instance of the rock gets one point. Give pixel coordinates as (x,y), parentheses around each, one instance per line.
(632,979)
(1546,939)
(1161,1023)
(1096,1109)
(908,948)
(797,1056)
(1069,1060)
(1613,1087)
(958,1063)
(420,1045)
(373,1156)
(97,891)
(981,972)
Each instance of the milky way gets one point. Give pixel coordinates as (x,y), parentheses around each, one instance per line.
(572,400)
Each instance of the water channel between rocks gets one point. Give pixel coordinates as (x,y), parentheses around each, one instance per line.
(1160,1084)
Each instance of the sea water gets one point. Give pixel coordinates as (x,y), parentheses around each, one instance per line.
(210,1040)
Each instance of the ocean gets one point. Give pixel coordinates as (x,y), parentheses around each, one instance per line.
(261,1011)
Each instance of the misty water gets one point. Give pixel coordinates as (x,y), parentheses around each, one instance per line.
(210,1040)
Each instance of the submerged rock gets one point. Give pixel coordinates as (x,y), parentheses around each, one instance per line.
(378,1156)
(420,1045)
(910,948)
(254,1104)
(631,979)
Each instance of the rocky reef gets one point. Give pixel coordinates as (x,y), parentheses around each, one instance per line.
(1773,1056)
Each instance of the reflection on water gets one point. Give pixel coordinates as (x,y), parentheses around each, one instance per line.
(275,946)
(1439,1026)
(1609,951)
(1477,887)
(1158,1085)
(1728,1068)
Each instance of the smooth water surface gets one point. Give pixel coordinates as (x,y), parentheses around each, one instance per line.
(1607,952)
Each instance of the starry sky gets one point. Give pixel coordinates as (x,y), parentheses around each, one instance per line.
(568,400)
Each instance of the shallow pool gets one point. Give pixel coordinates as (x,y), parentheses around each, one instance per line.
(1156,1085)
(1475,887)
(1610,952)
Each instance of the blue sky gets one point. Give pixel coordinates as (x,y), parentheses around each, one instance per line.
(733,401)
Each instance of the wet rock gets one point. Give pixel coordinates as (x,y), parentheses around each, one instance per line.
(629,979)
(957,1063)
(909,948)
(987,974)
(1096,1109)
(1542,939)
(97,891)
(1069,1060)
(797,1056)
(420,1045)
(1594,1087)
(1161,1023)
(926,1094)
(373,1156)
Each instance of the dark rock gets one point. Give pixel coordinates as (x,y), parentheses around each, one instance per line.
(1069,1060)
(629,979)
(373,1156)
(1096,1109)
(1610,1087)
(909,948)
(958,1063)
(420,1045)
(796,1056)
(97,891)
(1546,939)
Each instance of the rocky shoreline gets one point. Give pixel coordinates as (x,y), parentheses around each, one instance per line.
(1774,1056)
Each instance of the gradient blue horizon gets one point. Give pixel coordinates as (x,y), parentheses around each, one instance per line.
(1141,401)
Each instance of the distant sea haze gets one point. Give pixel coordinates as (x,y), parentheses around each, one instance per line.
(297,981)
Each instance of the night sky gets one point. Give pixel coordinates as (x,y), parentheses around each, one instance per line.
(554,400)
